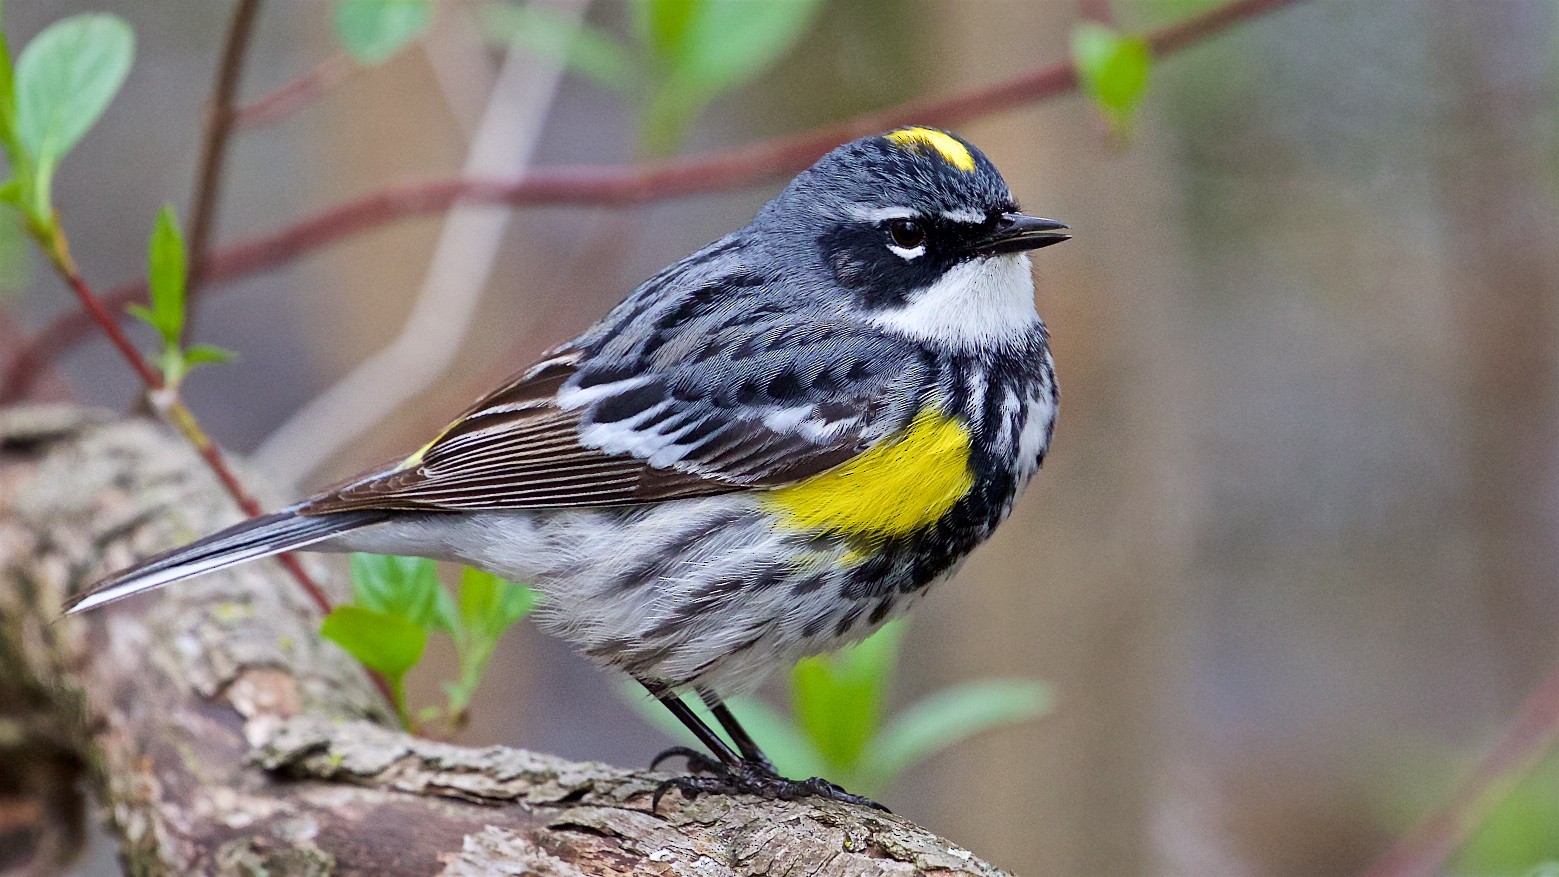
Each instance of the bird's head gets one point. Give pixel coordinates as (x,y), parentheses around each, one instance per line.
(920,230)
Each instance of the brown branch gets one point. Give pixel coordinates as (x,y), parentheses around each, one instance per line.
(1533,731)
(296,94)
(632,184)
(213,151)
(221,734)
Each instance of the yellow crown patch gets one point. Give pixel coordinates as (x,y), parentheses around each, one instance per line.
(952,152)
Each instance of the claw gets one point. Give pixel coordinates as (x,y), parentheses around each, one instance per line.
(697,762)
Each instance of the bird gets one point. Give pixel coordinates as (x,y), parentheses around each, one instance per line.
(766,451)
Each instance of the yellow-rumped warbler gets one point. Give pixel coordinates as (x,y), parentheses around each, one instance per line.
(768,450)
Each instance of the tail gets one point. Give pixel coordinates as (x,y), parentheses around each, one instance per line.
(249,540)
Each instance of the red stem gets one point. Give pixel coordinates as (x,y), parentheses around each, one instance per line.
(212,454)
(93,307)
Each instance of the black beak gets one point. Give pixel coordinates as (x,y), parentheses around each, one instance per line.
(1016,232)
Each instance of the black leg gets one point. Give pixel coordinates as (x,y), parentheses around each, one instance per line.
(744,742)
(703,732)
(728,773)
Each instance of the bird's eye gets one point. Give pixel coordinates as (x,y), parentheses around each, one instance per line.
(906,233)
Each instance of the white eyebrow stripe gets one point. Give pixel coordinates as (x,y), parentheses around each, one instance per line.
(878,214)
(973,217)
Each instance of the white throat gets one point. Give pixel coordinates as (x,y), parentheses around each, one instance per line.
(979,302)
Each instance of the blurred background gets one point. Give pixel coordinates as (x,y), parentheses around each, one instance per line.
(1292,560)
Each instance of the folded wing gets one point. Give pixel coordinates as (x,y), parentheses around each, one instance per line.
(753,406)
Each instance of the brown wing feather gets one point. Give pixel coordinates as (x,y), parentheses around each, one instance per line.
(516,449)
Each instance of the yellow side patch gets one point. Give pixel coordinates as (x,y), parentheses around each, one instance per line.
(953,152)
(897,488)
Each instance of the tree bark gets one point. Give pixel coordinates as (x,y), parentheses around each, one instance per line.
(221,735)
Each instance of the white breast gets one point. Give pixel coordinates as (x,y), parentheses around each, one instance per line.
(977,302)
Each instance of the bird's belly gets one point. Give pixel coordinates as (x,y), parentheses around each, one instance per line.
(716,590)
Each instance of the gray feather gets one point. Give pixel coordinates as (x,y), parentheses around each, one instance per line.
(249,540)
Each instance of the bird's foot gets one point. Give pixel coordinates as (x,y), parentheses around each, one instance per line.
(748,778)
(697,762)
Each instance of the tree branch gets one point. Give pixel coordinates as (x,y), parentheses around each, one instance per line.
(222,735)
(213,150)
(632,184)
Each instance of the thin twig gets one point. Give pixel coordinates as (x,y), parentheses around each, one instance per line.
(632,184)
(296,94)
(57,250)
(213,150)
(457,275)
(1533,731)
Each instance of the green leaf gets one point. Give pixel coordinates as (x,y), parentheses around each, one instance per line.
(387,643)
(65,78)
(203,354)
(703,49)
(144,314)
(165,278)
(489,606)
(1114,68)
(950,715)
(8,135)
(838,700)
(727,43)
(586,50)
(663,25)
(169,358)
(406,587)
(1517,830)
(373,30)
